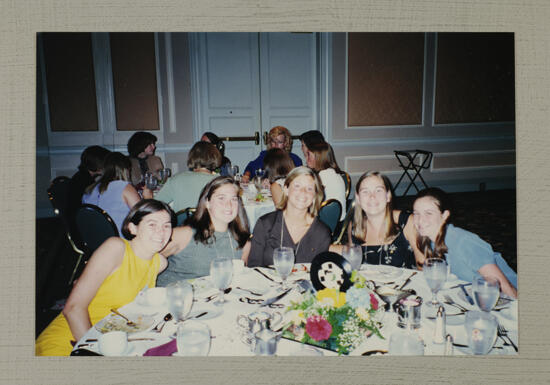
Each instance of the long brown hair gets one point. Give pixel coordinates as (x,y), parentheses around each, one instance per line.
(117,167)
(324,157)
(424,244)
(277,164)
(392,229)
(201,222)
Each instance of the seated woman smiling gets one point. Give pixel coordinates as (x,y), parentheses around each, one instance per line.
(219,227)
(467,254)
(116,272)
(294,224)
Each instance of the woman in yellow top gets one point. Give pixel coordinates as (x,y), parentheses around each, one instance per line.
(114,275)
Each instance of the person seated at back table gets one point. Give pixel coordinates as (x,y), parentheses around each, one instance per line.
(309,138)
(278,137)
(277,164)
(183,189)
(116,272)
(91,166)
(141,147)
(320,157)
(219,227)
(294,224)
(113,192)
(466,253)
(387,236)
(210,137)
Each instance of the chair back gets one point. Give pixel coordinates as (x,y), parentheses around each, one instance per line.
(94,226)
(58,193)
(346,222)
(184,214)
(330,213)
(347,181)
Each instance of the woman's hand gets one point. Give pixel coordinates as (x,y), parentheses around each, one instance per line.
(147,193)
(103,262)
(246,177)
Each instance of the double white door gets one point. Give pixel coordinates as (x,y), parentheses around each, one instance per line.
(246,83)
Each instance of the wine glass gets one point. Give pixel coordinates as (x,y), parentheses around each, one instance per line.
(354,255)
(233,170)
(193,339)
(486,292)
(164,174)
(283,259)
(221,272)
(180,299)
(406,343)
(151,181)
(435,273)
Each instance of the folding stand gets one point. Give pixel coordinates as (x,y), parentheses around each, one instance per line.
(417,167)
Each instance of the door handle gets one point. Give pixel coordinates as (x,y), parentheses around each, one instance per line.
(255,138)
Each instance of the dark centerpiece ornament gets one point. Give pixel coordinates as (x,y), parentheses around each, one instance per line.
(342,314)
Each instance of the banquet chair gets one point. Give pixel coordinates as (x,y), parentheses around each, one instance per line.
(345,223)
(94,226)
(58,193)
(330,213)
(347,181)
(184,214)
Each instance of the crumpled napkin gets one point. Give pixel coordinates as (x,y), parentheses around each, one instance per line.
(163,350)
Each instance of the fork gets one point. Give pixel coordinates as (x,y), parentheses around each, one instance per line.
(504,333)
(128,321)
(450,301)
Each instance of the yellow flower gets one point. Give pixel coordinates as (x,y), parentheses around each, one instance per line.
(362,313)
(331,297)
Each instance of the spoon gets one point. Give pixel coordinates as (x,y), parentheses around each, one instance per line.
(210,298)
(128,322)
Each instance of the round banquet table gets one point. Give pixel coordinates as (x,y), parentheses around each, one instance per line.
(227,336)
(255,209)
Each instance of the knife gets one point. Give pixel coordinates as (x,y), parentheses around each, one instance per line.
(269,301)
(265,275)
(460,284)
(470,300)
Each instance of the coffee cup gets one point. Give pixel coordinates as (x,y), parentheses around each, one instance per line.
(113,343)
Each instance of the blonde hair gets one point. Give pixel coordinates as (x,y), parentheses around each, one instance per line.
(360,217)
(280,130)
(313,209)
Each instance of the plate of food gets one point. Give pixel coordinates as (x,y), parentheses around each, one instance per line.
(113,322)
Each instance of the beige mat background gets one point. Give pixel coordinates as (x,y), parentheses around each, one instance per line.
(20,20)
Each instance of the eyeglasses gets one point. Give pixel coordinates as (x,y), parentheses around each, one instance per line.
(275,141)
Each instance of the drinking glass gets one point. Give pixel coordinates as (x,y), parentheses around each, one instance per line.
(481,329)
(354,255)
(233,170)
(193,338)
(406,343)
(180,299)
(283,259)
(164,174)
(221,272)
(260,173)
(435,273)
(151,181)
(486,292)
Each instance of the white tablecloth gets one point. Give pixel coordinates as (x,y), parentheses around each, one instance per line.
(227,337)
(254,210)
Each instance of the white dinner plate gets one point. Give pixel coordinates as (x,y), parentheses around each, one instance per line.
(380,273)
(114,322)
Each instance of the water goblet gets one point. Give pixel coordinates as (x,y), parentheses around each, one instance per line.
(151,181)
(283,259)
(233,170)
(354,255)
(485,292)
(193,338)
(260,173)
(406,342)
(180,299)
(164,174)
(221,272)
(435,273)
(481,329)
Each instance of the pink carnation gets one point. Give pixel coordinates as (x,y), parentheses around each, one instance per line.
(318,328)
(373,302)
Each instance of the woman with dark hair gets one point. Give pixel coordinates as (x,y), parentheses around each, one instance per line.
(277,164)
(116,272)
(182,190)
(320,157)
(141,147)
(219,227)
(91,166)
(310,138)
(278,137)
(210,137)
(294,224)
(387,236)
(113,192)
(466,253)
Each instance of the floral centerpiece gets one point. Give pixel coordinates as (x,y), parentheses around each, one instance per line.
(336,320)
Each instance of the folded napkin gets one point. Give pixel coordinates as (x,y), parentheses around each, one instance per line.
(163,350)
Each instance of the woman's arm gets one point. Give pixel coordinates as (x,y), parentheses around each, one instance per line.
(130,195)
(163,263)
(276,193)
(491,270)
(246,252)
(257,245)
(410,234)
(181,236)
(103,262)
